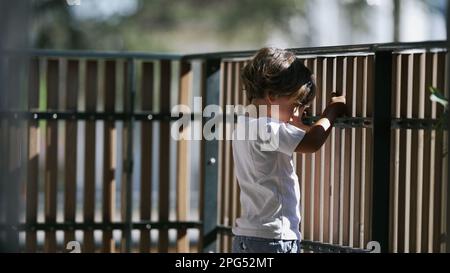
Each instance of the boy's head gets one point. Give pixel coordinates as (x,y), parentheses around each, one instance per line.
(280,78)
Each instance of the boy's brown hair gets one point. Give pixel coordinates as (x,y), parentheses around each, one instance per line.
(277,72)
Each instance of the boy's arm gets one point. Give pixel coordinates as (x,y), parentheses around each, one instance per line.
(317,134)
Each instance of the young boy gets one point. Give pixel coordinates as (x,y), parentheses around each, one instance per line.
(270,192)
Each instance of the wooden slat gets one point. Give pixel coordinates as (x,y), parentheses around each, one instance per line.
(403,163)
(51,160)
(445,221)
(164,156)
(431,204)
(358,98)
(326,156)
(147,92)
(309,170)
(126,184)
(71,148)
(427,78)
(318,186)
(244,102)
(395,200)
(409,139)
(91,89)
(346,156)
(300,171)
(366,154)
(352,99)
(321,103)
(33,155)
(109,157)
(234,199)
(336,155)
(367,112)
(228,171)
(183,161)
(414,150)
(221,154)
(421,89)
(440,168)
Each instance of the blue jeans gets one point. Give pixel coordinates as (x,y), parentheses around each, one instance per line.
(243,244)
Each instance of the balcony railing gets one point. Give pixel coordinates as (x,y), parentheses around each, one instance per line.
(102,169)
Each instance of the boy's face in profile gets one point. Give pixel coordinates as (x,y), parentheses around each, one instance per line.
(288,106)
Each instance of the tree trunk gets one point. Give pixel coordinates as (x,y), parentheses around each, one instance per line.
(397,22)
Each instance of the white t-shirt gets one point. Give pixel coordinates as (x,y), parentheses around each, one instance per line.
(270,191)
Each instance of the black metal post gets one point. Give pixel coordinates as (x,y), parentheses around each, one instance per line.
(210,149)
(382,148)
(14,27)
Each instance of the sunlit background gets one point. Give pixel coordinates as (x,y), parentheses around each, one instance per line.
(221,25)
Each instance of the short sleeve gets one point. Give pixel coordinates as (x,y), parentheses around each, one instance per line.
(284,138)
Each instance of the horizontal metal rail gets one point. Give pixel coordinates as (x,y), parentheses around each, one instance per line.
(142,225)
(426,124)
(344,49)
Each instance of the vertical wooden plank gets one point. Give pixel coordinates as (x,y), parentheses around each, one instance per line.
(318,178)
(321,76)
(51,160)
(343,173)
(183,161)
(336,219)
(445,216)
(395,215)
(301,173)
(91,89)
(356,152)
(234,190)
(228,176)
(147,92)
(427,140)
(71,148)
(420,151)
(363,148)
(435,150)
(359,159)
(403,219)
(326,156)
(109,158)
(331,155)
(409,138)
(369,150)
(414,150)
(352,99)
(348,161)
(128,94)
(243,101)
(123,96)
(33,154)
(164,156)
(221,152)
(310,170)
(440,166)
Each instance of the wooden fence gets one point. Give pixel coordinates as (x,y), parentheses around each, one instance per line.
(102,169)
